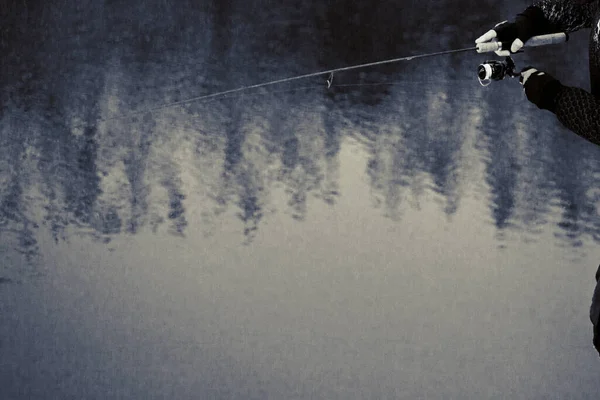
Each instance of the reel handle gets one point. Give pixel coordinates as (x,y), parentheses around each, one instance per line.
(541,40)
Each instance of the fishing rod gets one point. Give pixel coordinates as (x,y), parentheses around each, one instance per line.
(488,71)
(489,47)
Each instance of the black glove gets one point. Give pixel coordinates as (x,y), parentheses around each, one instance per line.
(513,35)
(541,89)
(596,339)
(595,313)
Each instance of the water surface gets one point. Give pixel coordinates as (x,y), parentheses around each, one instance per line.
(405,233)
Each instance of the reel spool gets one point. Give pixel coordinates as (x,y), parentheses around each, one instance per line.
(494,70)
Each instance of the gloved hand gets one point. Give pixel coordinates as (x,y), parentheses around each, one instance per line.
(508,34)
(513,35)
(595,312)
(541,89)
(596,340)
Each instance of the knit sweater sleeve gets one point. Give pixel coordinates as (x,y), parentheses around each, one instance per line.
(579,111)
(566,15)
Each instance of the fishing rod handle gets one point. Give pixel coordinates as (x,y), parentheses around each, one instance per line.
(541,40)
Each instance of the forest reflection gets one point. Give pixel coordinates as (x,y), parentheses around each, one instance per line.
(70,166)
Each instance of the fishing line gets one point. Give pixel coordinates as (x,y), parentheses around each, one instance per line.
(224,97)
(274,92)
(246,96)
(313,108)
(301,88)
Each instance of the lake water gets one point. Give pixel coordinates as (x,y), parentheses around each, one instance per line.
(403,234)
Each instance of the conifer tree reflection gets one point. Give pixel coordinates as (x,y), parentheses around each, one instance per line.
(499,136)
(570,185)
(120,176)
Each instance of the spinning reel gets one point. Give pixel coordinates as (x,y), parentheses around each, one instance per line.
(494,70)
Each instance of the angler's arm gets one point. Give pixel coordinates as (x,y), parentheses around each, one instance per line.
(560,15)
(595,312)
(579,111)
(576,108)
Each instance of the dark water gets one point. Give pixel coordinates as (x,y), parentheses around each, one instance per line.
(230,200)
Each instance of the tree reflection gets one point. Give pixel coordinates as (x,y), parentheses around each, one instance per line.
(65,153)
(500,136)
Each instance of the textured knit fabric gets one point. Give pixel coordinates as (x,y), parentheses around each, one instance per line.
(579,111)
(576,108)
(566,15)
